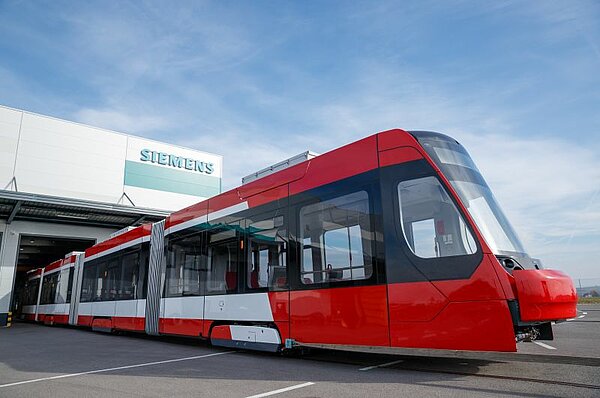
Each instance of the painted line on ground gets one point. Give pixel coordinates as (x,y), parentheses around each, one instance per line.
(139,365)
(549,347)
(286,389)
(383,365)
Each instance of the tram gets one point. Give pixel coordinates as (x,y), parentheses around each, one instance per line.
(393,240)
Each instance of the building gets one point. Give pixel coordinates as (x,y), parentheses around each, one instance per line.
(65,186)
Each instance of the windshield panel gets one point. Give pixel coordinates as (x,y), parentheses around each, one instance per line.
(448,156)
(459,168)
(490,219)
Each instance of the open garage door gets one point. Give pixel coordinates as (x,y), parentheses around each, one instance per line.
(39,251)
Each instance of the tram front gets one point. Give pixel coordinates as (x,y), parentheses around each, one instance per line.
(540,295)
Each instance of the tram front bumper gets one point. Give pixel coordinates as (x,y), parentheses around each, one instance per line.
(545,295)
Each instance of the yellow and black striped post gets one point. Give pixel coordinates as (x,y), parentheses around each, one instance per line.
(5,319)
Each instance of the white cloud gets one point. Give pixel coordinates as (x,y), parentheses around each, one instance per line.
(241,157)
(548,187)
(127,122)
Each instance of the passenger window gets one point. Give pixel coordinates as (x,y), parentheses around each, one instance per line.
(343,247)
(336,239)
(431,223)
(142,284)
(267,250)
(87,284)
(48,291)
(61,286)
(129,278)
(31,295)
(116,277)
(110,281)
(49,288)
(100,285)
(70,284)
(221,275)
(186,266)
(257,265)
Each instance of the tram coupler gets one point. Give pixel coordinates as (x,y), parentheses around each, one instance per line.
(542,331)
(527,337)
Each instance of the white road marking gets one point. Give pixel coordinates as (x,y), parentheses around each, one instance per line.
(544,345)
(579,317)
(383,365)
(269,393)
(139,365)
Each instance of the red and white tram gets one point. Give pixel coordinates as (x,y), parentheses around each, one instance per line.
(49,290)
(31,294)
(393,240)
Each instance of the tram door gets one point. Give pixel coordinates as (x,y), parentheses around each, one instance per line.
(223,255)
(182,305)
(337,298)
(222,274)
(426,240)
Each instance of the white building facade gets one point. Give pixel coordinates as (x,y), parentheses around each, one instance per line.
(67,180)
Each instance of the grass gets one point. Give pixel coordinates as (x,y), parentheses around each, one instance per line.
(589,300)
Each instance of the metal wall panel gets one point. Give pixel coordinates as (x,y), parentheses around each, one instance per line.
(65,159)
(56,157)
(10,121)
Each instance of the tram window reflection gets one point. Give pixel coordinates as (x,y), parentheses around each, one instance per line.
(336,238)
(431,224)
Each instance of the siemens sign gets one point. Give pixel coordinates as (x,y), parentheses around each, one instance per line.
(176,161)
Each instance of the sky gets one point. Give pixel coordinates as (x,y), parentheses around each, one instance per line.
(516,82)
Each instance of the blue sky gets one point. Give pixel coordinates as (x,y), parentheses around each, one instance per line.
(517,82)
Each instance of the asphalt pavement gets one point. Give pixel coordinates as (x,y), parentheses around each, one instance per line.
(42,361)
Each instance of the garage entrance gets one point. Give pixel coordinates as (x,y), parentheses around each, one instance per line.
(37,251)
(36,230)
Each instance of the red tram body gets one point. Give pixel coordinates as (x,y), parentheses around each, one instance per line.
(393,240)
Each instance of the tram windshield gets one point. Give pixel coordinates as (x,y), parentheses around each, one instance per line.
(459,168)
